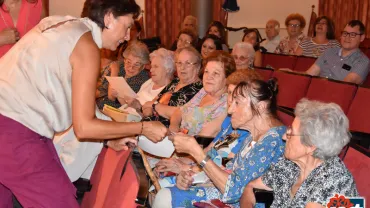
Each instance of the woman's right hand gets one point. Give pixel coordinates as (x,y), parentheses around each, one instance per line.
(184,180)
(9,36)
(155,131)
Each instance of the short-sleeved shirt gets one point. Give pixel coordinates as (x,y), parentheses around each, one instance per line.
(312,49)
(330,178)
(333,65)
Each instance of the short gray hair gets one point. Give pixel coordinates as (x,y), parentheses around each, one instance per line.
(323,125)
(167,57)
(248,48)
(192,51)
(276,23)
(137,49)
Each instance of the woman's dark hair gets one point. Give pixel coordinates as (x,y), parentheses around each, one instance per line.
(258,37)
(257,91)
(216,40)
(138,26)
(7,9)
(97,9)
(220,28)
(192,33)
(330,34)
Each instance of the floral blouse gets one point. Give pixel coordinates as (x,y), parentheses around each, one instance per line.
(330,178)
(195,117)
(134,82)
(284,48)
(179,98)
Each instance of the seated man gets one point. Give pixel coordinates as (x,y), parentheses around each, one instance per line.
(348,63)
(273,37)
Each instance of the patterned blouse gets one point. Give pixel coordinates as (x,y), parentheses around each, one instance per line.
(195,117)
(134,82)
(249,164)
(312,49)
(179,98)
(283,47)
(322,183)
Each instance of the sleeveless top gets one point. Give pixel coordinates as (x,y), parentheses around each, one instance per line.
(29,16)
(35,75)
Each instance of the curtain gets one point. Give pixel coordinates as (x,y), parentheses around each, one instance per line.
(312,22)
(163,19)
(219,14)
(342,11)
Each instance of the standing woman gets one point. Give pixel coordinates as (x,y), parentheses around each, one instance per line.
(17,17)
(57,64)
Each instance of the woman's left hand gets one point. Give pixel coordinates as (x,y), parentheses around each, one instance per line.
(185,144)
(171,165)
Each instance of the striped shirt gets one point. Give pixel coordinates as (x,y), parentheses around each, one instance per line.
(333,65)
(312,49)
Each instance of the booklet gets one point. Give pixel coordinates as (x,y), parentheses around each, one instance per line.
(121,86)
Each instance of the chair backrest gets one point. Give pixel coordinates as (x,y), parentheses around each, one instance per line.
(292,87)
(303,63)
(326,90)
(264,72)
(277,61)
(359,111)
(285,116)
(366,83)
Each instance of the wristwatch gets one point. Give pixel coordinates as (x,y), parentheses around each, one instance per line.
(204,161)
(154,104)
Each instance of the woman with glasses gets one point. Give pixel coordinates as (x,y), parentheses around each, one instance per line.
(253,37)
(179,91)
(243,54)
(132,68)
(253,108)
(187,37)
(295,24)
(323,38)
(311,172)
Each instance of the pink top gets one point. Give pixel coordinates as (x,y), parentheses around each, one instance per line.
(29,16)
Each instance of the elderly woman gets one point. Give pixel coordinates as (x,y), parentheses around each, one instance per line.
(179,91)
(218,29)
(253,109)
(162,70)
(190,23)
(253,37)
(57,90)
(243,54)
(210,43)
(136,56)
(187,37)
(295,24)
(311,172)
(323,38)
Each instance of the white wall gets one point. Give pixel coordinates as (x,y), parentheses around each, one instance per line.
(255,14)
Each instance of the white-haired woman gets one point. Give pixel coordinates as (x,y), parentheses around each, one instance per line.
(311,172)
(243,54)
(162,70)
(136,56)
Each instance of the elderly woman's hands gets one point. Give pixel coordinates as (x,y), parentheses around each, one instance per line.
(186,144)
(184,180)
(171,165)
(148,109)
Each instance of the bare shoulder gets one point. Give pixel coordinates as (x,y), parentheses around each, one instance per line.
(85,48)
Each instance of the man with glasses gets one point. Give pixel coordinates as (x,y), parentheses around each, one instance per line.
(347,63)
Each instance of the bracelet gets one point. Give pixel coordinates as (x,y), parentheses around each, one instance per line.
(204,161)
(142,126)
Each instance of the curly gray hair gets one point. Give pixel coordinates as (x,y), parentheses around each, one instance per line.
(167,57)
(137,49)
(323,125)
(248,48)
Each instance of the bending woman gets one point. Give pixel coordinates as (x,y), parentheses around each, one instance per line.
(57,64)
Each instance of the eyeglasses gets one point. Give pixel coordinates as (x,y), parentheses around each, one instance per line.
(289,133)
(240,58)
(184,41)
(128,63)
(186,64)
(294,25)
(351,34)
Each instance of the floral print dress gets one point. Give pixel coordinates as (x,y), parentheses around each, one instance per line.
(249,164)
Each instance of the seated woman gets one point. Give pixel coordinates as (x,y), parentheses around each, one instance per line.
(295,24)
(179,91)
(187,37)
(323,38)
(243,54)
(311,172)
(253,37)
(162,69)
(253,109)
(131,68)
(210,43)
(218,29)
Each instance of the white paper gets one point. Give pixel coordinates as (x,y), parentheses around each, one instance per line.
(163,148)
(121,86)
(130,111)
(200,178)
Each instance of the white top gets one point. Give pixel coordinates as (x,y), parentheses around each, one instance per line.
(271,45)
(146,92)
(35,75)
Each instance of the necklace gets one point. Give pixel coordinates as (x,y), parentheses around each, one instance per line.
(27,15)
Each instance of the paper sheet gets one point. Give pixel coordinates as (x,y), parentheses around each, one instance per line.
(121,86)
(163,148)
